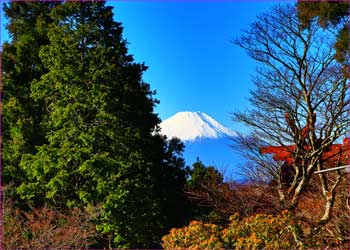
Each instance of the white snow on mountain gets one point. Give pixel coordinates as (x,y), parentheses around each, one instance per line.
(190,126)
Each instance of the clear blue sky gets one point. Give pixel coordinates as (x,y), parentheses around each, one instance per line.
(193,64)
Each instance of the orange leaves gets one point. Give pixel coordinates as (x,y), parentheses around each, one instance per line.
(255,232)
(197,235)
(261,231)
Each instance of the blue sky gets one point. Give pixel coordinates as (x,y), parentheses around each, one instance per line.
(193,64)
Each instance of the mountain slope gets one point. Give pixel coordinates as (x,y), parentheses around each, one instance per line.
(206,139)
(190,126)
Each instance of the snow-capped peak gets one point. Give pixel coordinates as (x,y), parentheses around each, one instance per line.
(189,126)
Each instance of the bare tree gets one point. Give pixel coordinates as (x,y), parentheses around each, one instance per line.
(301,98)
(45,228)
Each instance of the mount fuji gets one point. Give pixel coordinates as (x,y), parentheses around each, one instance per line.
(204,138)
(190,126)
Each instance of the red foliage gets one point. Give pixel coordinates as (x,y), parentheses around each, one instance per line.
(331,156)
(335,154)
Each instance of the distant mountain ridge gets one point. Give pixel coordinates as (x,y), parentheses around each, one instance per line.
(190,126)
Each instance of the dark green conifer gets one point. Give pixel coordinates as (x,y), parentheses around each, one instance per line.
(96,123)
(28,26)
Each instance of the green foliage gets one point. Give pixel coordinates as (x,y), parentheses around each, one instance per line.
(329,13)
(20,66)
(204,191)
(202,174)
(95,118)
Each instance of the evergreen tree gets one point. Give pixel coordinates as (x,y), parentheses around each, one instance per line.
(28,24)
(329,13)
(95,118)
(204,189)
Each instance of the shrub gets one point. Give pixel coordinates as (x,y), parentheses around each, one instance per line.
(43,228)
(197,235)
(261,231)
